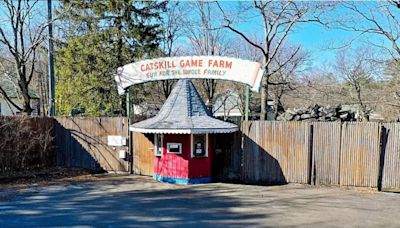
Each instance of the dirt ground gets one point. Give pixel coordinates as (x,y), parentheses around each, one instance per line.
(136,201)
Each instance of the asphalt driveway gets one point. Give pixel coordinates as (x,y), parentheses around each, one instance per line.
(134,201)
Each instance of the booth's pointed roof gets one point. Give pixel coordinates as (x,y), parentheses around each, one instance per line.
(184,112)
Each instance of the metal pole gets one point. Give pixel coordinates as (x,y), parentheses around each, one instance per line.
(52,110)
(130,143)
(128,104)
(246,114)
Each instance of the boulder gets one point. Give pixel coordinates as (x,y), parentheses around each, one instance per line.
(305,116)
(318,113)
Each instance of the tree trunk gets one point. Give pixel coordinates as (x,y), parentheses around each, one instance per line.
(276,107)
(167,87)
(209,86)
(264,97)
(363,107)
(27,107)
(23,86)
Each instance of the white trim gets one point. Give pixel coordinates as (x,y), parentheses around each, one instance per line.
(192,146)
(155,150)
(180,148)
(185,131)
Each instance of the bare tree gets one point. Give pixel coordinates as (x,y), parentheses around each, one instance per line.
(284,80)
(172,31)
(41,79)
(379,25)
(373,18)
(22,37)
(205,40)
(278,19)
(228,101)
(241,49)
(357,70)
(393,71)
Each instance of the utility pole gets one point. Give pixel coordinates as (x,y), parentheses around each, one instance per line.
(52,110)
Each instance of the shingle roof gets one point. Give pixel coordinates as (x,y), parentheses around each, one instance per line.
(184,112)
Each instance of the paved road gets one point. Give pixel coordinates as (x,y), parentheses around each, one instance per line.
(131,201)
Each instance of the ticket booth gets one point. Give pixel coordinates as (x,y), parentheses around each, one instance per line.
(183,146)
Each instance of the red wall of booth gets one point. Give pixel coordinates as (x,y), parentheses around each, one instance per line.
(182,165)
(201,167)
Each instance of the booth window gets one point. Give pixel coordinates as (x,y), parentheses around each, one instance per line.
(158,142)
(174,148)
(199,145)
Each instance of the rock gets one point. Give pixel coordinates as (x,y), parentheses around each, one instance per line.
(338,108)
(330,114)
(314,113)
(290,111)
(288,116)
(344,116)
(318,113)
(314,109)
(305,116)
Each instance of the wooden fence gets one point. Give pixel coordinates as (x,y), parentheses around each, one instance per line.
(82,142)
(326,152)
(334,153)
(276,153)
(27,143)
(142,152)
(359,157)
(390,158)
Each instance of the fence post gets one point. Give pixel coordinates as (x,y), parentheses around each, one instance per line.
(382,153)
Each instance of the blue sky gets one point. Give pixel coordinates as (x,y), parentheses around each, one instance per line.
(320,42)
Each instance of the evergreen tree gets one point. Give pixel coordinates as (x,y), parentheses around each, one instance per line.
(100,37)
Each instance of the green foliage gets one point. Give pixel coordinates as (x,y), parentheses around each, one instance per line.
(103,36)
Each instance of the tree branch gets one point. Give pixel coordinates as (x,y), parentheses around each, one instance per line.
(228,26)
(8,99)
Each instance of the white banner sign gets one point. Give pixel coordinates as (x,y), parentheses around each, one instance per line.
(202,67)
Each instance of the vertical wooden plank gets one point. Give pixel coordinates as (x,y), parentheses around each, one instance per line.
(143,154)
(360,154)
(326,151)
(84,142)
(275,152)
(391,164)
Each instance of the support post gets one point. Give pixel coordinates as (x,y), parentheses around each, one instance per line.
(246,114)
(129,115)
(128,104)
